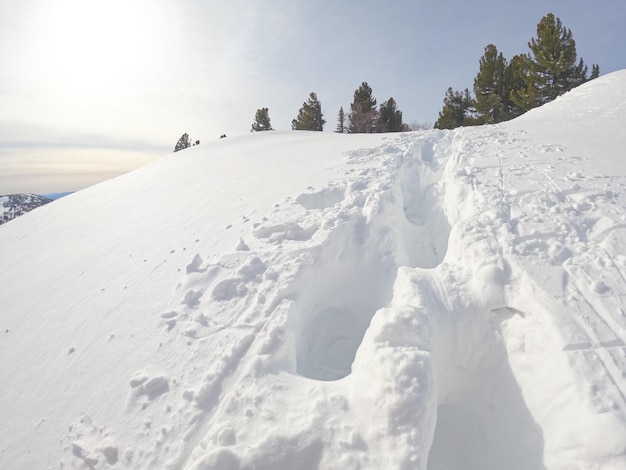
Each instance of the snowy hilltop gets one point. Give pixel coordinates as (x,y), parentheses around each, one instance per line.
(14,205)
(427,300)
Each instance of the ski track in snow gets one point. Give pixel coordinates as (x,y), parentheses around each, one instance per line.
(453,300)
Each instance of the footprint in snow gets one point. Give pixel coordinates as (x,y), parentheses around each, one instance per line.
(90,443)
(196,265)
(169,319)
(242,246)
(192,298)
(228,289)
(152,387)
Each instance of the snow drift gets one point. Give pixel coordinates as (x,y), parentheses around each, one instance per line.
(429,300)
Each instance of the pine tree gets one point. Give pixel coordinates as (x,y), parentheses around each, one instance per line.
(492,88)
(552,69)
(310,117)
(554,51)
(390,118)
(363,115)
(261,121)
(458,110)
(183,143)
(522,73)
(341,122)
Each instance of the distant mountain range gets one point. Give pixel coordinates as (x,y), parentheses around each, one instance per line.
(14,205)
(55,196)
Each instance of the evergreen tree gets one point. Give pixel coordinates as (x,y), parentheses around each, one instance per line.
(261,121)
(183,143)
(595,71)
(552,69)
(390,118)
(458,110)
(310,117)
(492,88)
(554,52)
(341,121)
(363,114)
(523,77)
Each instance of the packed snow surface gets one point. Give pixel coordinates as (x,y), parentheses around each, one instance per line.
(428,300)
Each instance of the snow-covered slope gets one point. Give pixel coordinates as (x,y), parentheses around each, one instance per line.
(440,299)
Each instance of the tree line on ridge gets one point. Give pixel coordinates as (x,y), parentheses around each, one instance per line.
(505,89)
(364,116)
(502,90)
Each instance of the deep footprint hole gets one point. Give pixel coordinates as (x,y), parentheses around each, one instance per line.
(328,349)
(426,228)
(338,297)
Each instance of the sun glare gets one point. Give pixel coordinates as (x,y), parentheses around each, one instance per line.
(95,43)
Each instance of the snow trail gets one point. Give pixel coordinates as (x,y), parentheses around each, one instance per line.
(416,358)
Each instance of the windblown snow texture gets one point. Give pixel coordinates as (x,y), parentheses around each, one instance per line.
(429,300)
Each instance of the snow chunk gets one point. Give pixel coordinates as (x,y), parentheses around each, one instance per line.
(321,199)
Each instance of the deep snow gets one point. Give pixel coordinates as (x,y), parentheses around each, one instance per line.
(428,300)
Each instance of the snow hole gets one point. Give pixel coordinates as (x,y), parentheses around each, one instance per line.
(337,298)
(328,350)
(425,230)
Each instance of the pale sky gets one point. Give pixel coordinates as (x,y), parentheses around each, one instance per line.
(90,89)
